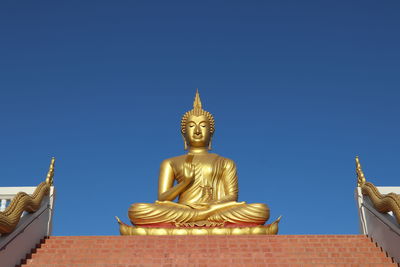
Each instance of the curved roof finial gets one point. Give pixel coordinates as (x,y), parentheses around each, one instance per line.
(360,174)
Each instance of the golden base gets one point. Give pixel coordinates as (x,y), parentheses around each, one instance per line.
(271,229)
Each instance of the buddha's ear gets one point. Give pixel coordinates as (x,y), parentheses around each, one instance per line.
(209,144)
(185,146)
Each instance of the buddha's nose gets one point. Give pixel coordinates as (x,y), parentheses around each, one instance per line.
(197,130)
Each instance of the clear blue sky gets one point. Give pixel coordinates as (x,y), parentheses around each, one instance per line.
(297,88)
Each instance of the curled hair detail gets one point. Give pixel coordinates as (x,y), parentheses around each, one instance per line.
(208,115)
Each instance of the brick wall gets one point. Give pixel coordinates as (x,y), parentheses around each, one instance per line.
(281,250)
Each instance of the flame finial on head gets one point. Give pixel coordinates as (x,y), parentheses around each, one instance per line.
(197,108)
(197,111)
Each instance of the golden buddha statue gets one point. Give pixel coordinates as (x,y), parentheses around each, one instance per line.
(206,186)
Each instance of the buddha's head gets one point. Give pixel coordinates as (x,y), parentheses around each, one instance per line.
(197,126)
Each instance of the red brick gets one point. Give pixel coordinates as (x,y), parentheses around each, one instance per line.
(287,250)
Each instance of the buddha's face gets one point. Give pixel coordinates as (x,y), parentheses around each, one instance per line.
(197,131)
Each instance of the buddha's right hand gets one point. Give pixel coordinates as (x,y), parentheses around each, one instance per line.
(188,172)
